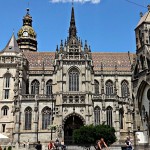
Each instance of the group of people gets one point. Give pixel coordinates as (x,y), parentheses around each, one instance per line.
(101,144)
(55,145)
(52,145)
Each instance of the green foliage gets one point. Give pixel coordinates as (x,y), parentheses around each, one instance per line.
(9,148)
(88,135)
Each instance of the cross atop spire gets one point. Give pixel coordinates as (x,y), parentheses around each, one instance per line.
(72,28)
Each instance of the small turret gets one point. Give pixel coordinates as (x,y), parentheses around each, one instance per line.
(26,35)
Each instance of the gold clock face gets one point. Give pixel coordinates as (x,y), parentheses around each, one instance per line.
(25,33)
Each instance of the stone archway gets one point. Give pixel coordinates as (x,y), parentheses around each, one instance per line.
(72,122)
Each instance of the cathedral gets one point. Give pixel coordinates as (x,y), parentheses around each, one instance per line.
(46,95)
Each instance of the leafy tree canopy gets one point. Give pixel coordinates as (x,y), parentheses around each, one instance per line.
(89,134)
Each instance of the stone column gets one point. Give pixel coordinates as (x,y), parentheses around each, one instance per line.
(36,118)
(117,126)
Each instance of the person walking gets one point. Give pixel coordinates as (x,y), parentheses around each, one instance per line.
(38,146)
(57,144)
(101,144)
(51,145)
(63,146)
(128,144)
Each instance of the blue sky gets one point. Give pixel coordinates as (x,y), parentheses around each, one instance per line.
(107,25)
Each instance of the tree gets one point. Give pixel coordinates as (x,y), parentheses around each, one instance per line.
(89,134)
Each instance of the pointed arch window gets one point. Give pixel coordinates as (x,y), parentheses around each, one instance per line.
(121,115)
(109,88)
(97,115)
(109,115)
(49,87)
(4,110)
(124,89)
(46,117)
(28,118)
(96,83)
(6,85)
(35,87)
(74,80)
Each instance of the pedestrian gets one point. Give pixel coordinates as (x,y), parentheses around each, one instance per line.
(38,146)
(28,144)
(57,143)
(101,144)
(128,144)
(51,145)
(24,144)
(63,146)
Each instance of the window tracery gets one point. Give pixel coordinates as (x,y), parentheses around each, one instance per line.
(35,87)
(74,80)
(97,115)
(109,115)
(28,118)
(46,117)
(109,88)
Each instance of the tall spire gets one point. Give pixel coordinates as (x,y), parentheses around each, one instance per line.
(72,28)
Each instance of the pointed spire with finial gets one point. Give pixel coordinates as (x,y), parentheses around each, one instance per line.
(27,20)
(12,45)
(72,28)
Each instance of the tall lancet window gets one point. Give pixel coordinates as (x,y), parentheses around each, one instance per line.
(109,88)
(46,117)
(109,115)
(121,115)
(124,89)
(6,85)
(28,118)
(97,115)
(96,83)
(73,80)
(49,87)
(35,87)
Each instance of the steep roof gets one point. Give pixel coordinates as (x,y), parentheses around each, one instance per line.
(144,18)
(12,45)
(36,60)
(108,60)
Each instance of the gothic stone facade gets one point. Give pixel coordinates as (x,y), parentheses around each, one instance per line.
(45,95)
(141,79)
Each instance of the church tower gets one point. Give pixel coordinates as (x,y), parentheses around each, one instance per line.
(74,77)
(141,78)
(26,35)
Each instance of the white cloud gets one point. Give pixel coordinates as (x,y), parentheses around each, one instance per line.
(76,1)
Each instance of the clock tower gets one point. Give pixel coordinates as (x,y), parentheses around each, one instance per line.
(26,35)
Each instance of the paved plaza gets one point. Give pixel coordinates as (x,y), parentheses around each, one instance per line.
(73,147)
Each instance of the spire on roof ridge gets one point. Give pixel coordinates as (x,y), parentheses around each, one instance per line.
(72,28)
(12,45)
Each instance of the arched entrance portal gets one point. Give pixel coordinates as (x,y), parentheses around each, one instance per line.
(71,123)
